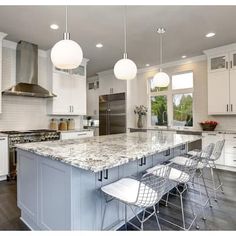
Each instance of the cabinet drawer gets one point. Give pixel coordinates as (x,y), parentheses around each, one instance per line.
(231,137)
(230,160)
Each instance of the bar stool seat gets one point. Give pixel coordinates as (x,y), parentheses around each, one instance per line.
(181,160)
(175,174)
(126,190)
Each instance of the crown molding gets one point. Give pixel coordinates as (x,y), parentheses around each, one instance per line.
(222,49)
(156,67)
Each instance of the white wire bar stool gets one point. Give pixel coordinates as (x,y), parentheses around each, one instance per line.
(204,157)
(144,194)
(179,178)
(216,154)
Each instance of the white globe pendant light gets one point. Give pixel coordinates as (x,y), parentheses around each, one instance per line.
(125,69)
(66,54)
(160,79)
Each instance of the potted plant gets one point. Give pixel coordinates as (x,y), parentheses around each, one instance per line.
(208,125)
(140,111)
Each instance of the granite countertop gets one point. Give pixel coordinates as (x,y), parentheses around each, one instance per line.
(104,152)
(187,130)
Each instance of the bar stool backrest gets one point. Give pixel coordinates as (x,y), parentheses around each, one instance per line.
(206,154)
(152,186)
(189,167)
(217,150)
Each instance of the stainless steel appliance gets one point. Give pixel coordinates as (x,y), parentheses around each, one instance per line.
(15,137)
(27,73)
(112,114)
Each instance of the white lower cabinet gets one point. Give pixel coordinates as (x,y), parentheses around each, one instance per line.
(76,134)
(228,156)
(3,157)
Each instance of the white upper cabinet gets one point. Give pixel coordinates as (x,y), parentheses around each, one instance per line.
(70,88)
(222,80)
(2,36)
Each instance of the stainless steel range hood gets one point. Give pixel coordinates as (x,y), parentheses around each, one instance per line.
(27,73)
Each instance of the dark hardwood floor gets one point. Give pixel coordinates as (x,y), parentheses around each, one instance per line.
(221,217)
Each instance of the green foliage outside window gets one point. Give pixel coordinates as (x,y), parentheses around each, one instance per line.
(182,107)
(159,109)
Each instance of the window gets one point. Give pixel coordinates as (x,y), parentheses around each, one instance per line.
(173,105)
(182,81)
(182,109)
(159,110)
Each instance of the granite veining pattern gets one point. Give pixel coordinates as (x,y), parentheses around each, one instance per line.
(104,152)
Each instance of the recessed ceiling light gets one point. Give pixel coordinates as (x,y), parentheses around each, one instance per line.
(54,26)
(184,56)
(99,45)
(209,35)
(147,65)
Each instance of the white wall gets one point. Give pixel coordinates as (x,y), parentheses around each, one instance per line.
(107,83)
(20,113)
(137,95)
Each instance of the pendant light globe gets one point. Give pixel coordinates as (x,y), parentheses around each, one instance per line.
(125,69)
(66,54)
(160,79)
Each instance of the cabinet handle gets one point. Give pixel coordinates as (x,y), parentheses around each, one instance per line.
(141,162)
(144,161)
(231,107)
(100,176)
(226,65)
(212,134)
(227,107)
(106,174)
(1,139)
(167,152)
(72,108)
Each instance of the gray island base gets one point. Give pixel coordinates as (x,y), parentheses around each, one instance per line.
(59,182)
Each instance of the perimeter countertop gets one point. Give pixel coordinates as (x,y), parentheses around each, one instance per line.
(104,152)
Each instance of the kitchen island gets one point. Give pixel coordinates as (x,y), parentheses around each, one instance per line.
(59,182)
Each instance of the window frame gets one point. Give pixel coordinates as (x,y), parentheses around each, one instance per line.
(170,93)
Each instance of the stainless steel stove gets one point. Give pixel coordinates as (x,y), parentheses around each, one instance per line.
(15,137)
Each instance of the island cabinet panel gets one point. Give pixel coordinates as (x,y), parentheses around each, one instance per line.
(27,186)
(86,202)
(54,195)
(180,150)
(113,214)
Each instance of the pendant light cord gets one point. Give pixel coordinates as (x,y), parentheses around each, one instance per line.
(66,20)
(160,50)
(125,32)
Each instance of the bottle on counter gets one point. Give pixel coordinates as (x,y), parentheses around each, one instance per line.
(70,124)
(53,124)
(62,125)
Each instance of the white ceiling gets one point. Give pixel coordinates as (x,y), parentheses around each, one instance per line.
(186,28)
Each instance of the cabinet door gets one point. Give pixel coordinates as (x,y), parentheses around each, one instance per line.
(218,93)
(232,89)
(113,214)
(218,63)
(61,86)
(3,156)
(78,97)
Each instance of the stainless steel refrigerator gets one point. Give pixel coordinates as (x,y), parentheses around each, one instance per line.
(112,114)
